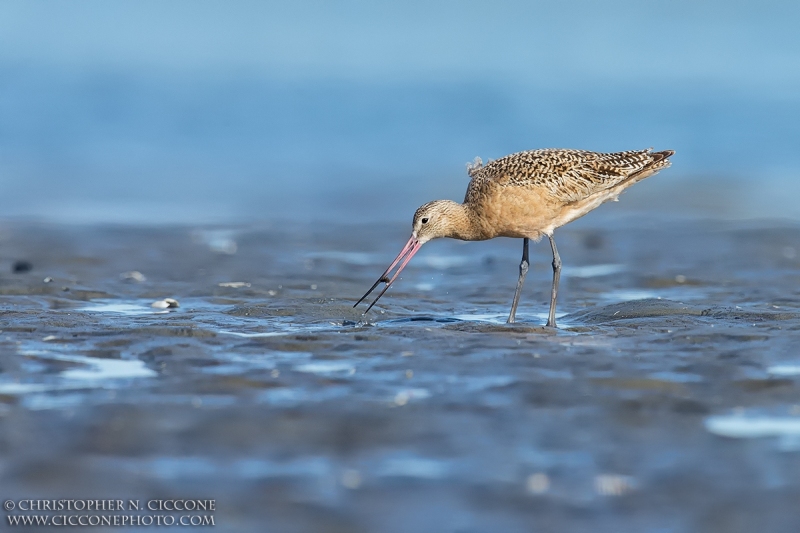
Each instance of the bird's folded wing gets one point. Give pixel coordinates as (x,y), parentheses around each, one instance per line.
(576,177)
(568,175)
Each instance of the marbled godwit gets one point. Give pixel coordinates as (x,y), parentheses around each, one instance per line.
(527,195)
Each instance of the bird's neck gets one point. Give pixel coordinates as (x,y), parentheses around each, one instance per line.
(463,223)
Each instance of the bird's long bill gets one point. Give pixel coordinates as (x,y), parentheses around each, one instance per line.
(402,259)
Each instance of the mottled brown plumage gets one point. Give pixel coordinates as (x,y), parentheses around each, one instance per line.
(528,195)
(566,175)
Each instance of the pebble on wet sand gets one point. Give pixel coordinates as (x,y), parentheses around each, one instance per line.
(613,484)
(20,267)
(133,275)
(537,483)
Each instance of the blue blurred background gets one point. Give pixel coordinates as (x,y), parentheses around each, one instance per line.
(196,111)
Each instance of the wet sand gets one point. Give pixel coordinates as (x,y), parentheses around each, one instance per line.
(667,400)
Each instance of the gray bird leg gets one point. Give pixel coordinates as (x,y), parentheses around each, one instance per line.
(551,318)
(523,270)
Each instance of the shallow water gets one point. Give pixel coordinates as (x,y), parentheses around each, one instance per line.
(667,400)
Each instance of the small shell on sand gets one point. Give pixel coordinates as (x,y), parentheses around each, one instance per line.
(166,303)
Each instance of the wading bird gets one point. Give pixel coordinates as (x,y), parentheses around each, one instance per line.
(527,195)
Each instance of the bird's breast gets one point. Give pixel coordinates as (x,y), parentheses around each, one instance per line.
(513,212)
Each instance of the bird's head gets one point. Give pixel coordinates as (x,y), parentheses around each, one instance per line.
(434,220)
(431,221)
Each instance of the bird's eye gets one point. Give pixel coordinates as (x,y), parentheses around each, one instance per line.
(425,220)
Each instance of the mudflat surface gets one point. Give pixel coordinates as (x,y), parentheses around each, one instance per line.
(666,401)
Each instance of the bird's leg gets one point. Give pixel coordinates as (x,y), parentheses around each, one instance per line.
(523,270)
(551,318)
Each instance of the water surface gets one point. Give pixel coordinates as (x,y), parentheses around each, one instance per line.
(665,401)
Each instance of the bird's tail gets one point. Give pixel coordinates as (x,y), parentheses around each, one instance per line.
(659,162)
(661,159)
